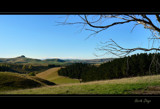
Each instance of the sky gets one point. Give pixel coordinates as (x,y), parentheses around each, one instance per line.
(39,36)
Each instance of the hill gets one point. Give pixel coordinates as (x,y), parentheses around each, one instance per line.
(131,85)
(14,81)
(25,60)
(52,75)
(20,59)
(130,66)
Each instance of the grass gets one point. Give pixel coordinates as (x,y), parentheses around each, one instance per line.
(14,81)
(115,86)
(52,75)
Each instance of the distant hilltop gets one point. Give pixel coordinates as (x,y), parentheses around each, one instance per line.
(25,60)
(22,56)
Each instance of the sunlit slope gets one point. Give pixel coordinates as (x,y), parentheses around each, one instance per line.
(52,75)
(14,81)
(115,86)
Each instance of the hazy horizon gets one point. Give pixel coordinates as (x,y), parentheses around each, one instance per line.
(65,58)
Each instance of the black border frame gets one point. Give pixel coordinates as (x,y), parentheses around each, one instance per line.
(77,99)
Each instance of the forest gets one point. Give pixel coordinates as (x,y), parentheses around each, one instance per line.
(131,66)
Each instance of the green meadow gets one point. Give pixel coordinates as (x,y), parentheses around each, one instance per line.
(131,85)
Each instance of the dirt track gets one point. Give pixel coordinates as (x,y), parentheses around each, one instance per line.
(149,90)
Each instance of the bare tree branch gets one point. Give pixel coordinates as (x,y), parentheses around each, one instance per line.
(134,27)
(93,25)
(113,48)
(107,26)
(158,17)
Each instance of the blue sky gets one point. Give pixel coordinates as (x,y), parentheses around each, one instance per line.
(38,36)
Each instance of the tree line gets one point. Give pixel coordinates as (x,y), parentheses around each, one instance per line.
(24,68)
(134,65)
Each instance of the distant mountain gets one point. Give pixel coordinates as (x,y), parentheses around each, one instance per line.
(25,60)
(20,59)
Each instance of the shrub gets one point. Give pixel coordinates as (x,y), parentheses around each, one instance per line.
(31,74)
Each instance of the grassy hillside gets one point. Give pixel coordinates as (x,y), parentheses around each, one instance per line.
(115,86)
(52,75)
(21,59)
(13,81)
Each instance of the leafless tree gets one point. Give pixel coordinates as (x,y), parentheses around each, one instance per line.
(98,23)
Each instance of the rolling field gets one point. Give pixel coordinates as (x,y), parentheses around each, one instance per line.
(52,75)
(144,85)
(14,81)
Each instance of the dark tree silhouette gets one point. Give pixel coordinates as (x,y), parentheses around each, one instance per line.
(139,65)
